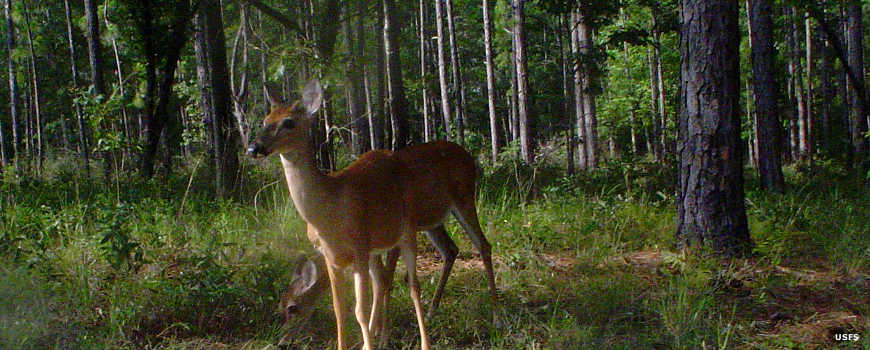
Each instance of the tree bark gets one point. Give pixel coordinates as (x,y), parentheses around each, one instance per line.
(442,70)
(765,90)
(858,121)
(655,145)
(34,91)
(524,119)
(808,123)
(828,94)
(92,33)
(354,39)
(490,82)
(513,124)
(84,148)
(226,145)
(240,90)
(578,93)
(797,75)
(584,38)
(710,207)
(427,124)
(567,95)
(396,88)
(459,92)
(13,85)
(661,133)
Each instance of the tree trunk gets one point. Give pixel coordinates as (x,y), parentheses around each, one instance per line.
(427,124)
(827,95)
(120,76)
(13,85)
(490,82)
(203,79)
(92,33)
(226,145)
(159,91)
(765,90)
(395,86)
(377,125)
(82,126)
(858,121)
(584,38)
(513,124)
(442,70)
(578,93)
(567,95)
(797,75)
(710,207)
(808,127)
(793,105)
(34,91)
(655,145)
(240,90)
(660,90)
(459,91)
(524,119)
(626,73)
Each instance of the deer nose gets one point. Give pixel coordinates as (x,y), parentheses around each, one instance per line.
(255,150)
(292,309)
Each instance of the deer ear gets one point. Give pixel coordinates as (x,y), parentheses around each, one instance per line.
(306,276)
(274,99)
(312,96)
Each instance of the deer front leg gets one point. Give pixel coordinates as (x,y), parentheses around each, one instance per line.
(448,251)
(336,280)
(361,283)
(409,257)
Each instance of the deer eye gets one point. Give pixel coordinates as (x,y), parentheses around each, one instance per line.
(287,124)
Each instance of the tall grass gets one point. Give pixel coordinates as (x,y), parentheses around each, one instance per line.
(164,264)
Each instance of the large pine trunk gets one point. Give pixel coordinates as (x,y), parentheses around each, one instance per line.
(710,208)
(765,90)
(858,117)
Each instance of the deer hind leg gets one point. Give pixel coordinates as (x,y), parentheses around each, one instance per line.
(409,257)
(388,273)
(361,283)
(467,216)
(336,281)
(448,251)
(376,272)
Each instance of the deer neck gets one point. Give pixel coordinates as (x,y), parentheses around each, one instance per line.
(312,190)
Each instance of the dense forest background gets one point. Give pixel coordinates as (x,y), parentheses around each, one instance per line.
(131,219)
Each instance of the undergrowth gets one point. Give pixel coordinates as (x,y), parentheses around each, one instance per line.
(585,261)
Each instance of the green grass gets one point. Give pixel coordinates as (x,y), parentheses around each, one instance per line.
(581,262)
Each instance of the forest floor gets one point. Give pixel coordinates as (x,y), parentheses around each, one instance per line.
(582,262)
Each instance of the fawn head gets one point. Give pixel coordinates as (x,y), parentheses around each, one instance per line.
(286,127)
(308,282)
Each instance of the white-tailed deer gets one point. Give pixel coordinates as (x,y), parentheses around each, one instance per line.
(375,204)
(309,279)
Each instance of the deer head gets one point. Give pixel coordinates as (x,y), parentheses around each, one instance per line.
(286,127)
(308,282)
